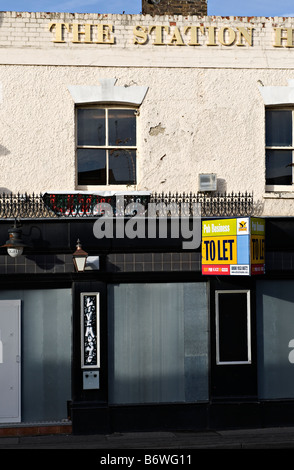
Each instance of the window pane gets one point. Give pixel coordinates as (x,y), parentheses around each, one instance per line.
(278,167)
(278,128)
(233,327)
(122,127)
(122,167)
(91,166)
(91,127)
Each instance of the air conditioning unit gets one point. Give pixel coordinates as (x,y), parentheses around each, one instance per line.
(207,182)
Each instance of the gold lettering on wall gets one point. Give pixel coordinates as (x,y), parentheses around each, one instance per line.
(167,35)
(211,36)
(105,34)
(59,31)
(244,34)
(76,33)
(283,37)
(194,34)
(83,33)
(226,36)
(176,39)
(159,29)
(140,34)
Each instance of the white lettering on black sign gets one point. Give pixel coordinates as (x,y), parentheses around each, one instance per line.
(90,324)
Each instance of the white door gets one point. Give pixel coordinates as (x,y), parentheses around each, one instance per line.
(10,393)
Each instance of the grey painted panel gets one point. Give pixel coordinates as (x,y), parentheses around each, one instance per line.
(275,327)
(147,342)
(10,390)
(46,352)
(196,378)
(196,342)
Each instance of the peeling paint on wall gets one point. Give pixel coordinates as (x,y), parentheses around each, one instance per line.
(157,130)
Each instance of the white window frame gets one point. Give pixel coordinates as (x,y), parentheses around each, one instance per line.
(249,356)
(288,187)
(106,147)
(107,92)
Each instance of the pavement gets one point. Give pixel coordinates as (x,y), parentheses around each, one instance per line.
(176,443)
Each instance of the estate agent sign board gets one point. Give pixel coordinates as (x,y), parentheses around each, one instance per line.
(233,246)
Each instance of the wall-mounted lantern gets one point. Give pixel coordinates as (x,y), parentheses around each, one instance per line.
(14,244)
(79,258)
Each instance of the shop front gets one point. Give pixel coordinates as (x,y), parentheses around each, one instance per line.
(142,339)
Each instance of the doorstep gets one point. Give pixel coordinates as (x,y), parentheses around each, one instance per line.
(35,429)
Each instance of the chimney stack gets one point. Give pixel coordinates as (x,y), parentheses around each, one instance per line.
(174,7)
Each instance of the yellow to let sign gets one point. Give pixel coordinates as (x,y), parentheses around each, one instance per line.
(219,250)
(221,227)
(257,249)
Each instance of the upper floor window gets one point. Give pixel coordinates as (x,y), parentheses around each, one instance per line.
(279,147)
(106,146)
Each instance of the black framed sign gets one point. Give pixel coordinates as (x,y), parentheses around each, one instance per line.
(90,336)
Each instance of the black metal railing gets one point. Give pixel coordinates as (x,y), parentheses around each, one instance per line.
(26,206)
(208,205)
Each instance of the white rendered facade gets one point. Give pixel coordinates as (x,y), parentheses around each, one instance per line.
(200,86)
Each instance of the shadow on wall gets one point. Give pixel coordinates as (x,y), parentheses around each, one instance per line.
(221,185)
(258,206)
(3,153)
(3,150)
(5,190)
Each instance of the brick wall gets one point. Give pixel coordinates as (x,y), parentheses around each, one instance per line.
(175,7)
